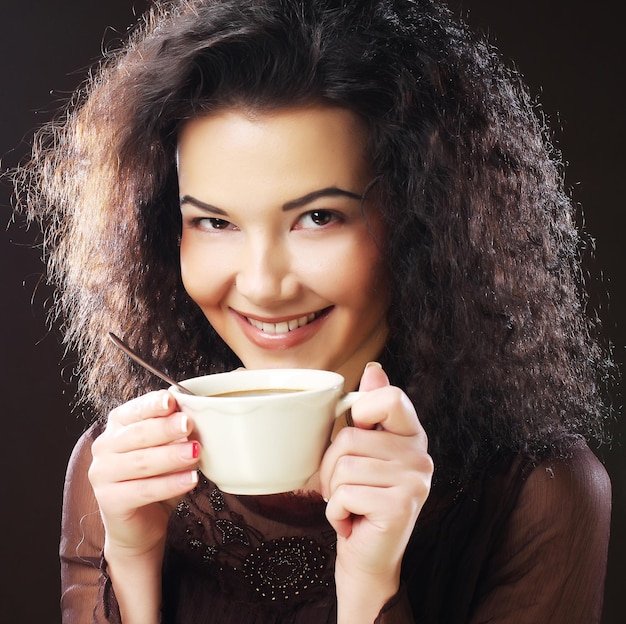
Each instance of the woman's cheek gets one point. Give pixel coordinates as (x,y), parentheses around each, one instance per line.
(207,271)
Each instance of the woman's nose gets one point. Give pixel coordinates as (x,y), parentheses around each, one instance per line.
(265,274)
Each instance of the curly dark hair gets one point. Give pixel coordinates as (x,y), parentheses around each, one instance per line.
(489,334)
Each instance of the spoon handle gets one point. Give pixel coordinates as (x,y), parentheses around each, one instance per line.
(118,342)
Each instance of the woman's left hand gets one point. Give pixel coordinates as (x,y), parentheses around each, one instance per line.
(376,477)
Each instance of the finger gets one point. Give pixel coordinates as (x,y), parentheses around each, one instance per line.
(144,463)
(373,377)
(120,498)
(149,433)
(339,516)
(390,408)
(355,503)
(415,479)
(362,471)
(378,444)
(151,405)
(382,507)
(368,471)
(342,460)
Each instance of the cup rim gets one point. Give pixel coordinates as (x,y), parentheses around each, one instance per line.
(334,380)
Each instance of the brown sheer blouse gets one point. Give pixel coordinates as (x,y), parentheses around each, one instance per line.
(521,544)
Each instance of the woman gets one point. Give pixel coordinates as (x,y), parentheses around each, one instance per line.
(277,183)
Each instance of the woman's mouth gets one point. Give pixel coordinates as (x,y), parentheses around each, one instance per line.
(283,327)
(283,333)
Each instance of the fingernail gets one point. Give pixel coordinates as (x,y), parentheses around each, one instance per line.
(373,365)
(190,478)
(183,423)
(190,450)
(166,401)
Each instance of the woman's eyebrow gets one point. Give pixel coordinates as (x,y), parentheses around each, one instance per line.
(188,199)
(331,191)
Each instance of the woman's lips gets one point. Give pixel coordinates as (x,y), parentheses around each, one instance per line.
(281,334)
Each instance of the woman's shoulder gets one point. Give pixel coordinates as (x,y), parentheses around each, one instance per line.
(575,477)
(564,499)
(81,454)
(550,557)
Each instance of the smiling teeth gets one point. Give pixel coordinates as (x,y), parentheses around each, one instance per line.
(283,327)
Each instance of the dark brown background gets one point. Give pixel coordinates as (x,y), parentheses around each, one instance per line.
(572,60)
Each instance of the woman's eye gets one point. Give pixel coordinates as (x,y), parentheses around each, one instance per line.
(212,223)
(317,218)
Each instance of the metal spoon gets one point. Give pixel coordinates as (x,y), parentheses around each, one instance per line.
(118,342)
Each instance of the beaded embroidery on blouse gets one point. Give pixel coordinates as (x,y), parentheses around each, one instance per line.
(277,562)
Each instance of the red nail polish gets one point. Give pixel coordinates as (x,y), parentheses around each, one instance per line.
(195,450)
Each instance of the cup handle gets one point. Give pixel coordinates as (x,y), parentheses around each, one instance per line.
(346,402)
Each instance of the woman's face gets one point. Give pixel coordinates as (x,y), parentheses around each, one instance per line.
(276,248)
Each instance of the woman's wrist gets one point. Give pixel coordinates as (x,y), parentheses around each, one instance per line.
(362,595)
(136,579)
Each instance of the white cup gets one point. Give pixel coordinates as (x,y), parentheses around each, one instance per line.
(268,442)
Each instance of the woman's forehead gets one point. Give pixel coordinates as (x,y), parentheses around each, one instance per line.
(303,149)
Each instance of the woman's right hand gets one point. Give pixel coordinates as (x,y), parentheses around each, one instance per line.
(142,460)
